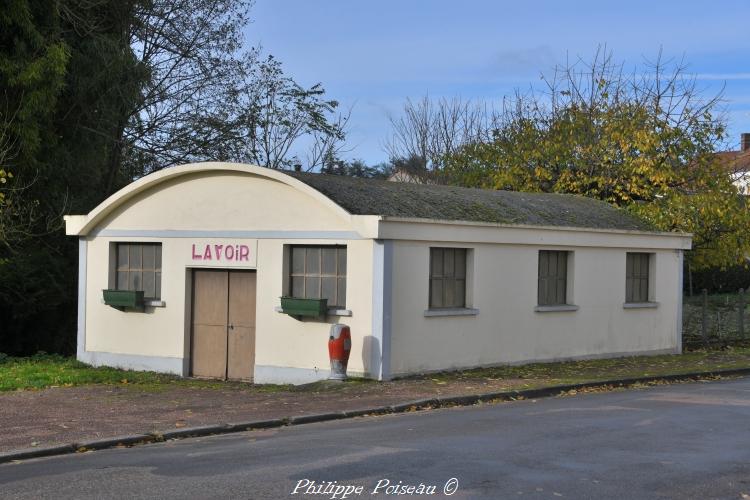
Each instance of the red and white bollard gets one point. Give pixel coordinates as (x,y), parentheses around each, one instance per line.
(339,347)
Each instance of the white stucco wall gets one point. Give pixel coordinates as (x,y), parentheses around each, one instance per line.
(283,342)
(507,329)
(387,282)
(192,211)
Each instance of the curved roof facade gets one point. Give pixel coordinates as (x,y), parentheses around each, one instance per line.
(356,196)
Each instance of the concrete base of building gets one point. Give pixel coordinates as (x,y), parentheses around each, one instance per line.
(133,362)
(655,352)
(268,374)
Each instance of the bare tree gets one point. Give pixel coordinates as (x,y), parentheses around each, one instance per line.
(187,54)
(432,130)
(209,98)
(327,146)
(273,118)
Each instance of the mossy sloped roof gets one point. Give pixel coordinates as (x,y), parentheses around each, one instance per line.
(429,201)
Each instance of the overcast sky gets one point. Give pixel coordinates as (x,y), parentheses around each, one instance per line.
(373,55)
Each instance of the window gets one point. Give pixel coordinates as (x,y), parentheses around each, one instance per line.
(318,272)
(138,267)
(447,278)
(636,277)
(553,278)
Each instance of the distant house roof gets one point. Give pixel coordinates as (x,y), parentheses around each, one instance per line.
(429,201)
(735,161)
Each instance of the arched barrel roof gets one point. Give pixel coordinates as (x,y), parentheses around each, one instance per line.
(108,206)
(348,196)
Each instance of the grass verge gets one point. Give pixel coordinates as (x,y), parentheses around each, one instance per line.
(537,375)
(45,370)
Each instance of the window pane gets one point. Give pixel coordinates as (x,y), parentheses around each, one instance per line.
(436,293)
(341,292)
(149,286)
(342,261)
(460,293)
(135,257)
(448,262)
(298,287)
(312,288)
(157,260)
(542,291)
(543,264)
(553,266)
(298,260)
(134,280)
(450,293)
(329,260)
(312,259)
(559,297)
(329,290)
(122,257)
(149,257)
(552,260)
(122,280)
(131,260)
(460,263)
(637,277)
(629,265)
(562,264)
(436,259)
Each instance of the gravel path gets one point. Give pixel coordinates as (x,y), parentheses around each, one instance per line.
(63,415)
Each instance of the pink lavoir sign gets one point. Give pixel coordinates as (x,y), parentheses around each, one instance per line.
(221,253)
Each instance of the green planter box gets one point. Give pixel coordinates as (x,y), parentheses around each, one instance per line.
(304,307)
(123,299)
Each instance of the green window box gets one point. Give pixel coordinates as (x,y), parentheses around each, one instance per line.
(124,299)
(304,307)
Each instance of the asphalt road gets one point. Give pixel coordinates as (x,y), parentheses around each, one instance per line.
(680,441)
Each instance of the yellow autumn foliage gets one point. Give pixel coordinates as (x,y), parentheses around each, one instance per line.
(627,153)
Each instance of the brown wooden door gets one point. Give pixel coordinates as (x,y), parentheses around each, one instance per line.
(241,342)
(210,302)
(223,329)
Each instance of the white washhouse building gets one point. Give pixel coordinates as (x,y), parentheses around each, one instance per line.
(184,270)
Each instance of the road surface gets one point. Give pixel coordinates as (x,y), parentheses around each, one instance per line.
(679,441)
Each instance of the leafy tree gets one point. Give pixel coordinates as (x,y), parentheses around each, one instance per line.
(95,93)
(644,141)
(31,77)
(64,68)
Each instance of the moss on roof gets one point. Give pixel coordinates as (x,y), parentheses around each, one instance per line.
(427,201)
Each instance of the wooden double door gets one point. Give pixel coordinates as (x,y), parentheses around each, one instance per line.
(223,324)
